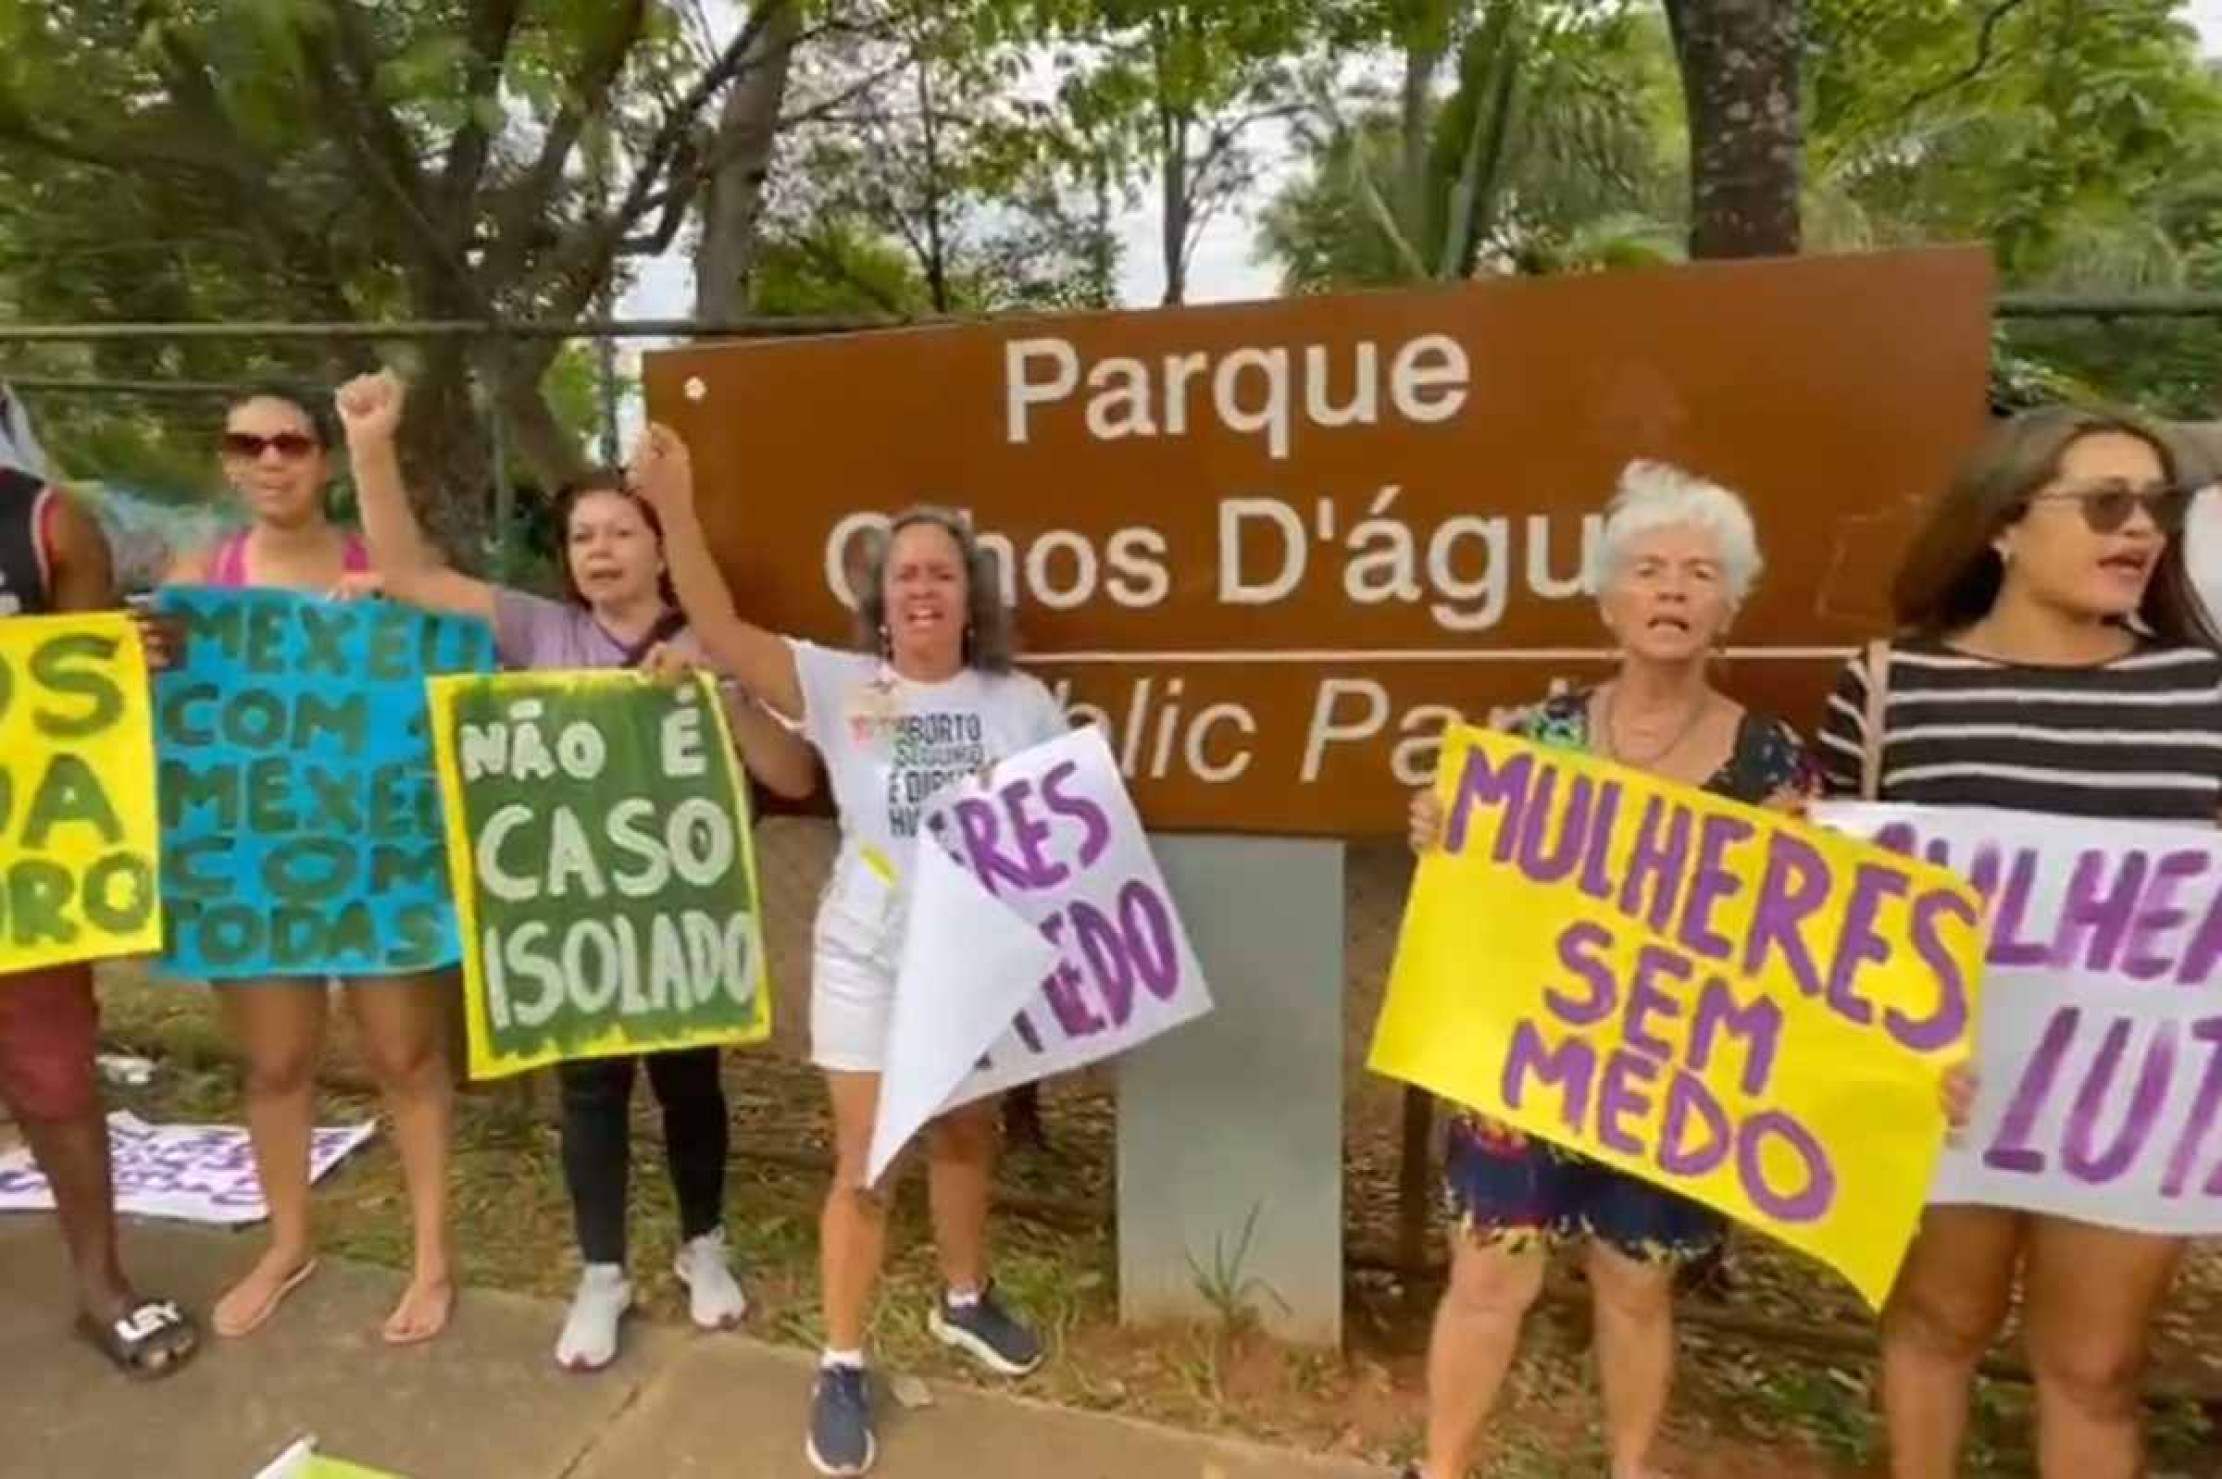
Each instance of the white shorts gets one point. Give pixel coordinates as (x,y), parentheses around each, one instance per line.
(852,977)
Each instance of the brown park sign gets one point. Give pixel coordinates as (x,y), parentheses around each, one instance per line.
(1273,546)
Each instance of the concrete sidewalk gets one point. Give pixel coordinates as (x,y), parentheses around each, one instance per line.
(487,1402)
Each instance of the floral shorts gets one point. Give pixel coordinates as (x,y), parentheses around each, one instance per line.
(1516,1192)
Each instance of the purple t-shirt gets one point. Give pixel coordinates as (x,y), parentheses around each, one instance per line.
(535,632)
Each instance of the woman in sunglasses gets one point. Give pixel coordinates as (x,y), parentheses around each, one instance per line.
(2051,657)
(277,457)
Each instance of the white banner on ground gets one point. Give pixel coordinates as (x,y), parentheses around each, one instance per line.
(193,1173)
(1040,937)
(2100,1045)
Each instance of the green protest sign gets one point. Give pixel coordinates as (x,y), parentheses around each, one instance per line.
(605,881)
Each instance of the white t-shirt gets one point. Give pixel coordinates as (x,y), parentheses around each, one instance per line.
(890,745)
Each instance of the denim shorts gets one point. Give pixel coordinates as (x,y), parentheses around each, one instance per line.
(1526,1193)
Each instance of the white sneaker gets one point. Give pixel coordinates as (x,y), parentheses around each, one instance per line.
(714,1297)
(589,1339)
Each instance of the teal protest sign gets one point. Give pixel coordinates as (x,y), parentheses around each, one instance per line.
(598,833)
(301,829)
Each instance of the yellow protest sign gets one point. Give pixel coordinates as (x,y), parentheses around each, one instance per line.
(1716,998)
(78,838)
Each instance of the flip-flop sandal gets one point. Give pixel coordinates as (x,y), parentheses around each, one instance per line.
(151,1340)
(292,1282)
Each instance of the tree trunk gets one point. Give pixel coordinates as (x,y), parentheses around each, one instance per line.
(733,202)
(1739,62)
(1172,162)
(1415,132)
(445,453)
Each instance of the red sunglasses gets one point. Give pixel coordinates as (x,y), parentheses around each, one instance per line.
(247,447)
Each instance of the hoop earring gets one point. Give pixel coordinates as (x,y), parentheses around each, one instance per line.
(887,644)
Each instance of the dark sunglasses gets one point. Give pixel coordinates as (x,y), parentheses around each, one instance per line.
(2107,508)
(246,446)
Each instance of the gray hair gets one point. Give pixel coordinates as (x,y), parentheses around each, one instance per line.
(1659,495)
(987,627)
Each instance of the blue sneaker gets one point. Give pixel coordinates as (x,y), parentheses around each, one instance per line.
(987,1333)
(841,1440)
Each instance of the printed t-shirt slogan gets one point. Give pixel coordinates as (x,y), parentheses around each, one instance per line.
(301,828)
(1714,997)
(77,815)
(599,839)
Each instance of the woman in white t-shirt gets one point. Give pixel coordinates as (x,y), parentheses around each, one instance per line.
(935,702)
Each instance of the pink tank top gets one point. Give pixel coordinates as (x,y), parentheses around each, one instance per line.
(229,567)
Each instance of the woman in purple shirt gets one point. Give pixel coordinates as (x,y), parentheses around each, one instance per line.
(617,612)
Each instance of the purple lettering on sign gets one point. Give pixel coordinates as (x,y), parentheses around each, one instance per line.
(1711,884)
(1646,1000)
(977,825)
(1944,1026)
(1105,951)
(1580,947)
(1687,1095)
(1551,837)
(1597,851)
(2101,903)
(2137,1117)
(1758,1026)
(1811,1201)
(2010,1149)
(1031,832)
(1657,863)
(1481,786)
(1062,988)
(1572,1066)
(1618,1099)
(2010,907)
(2146,955)
(1095,825)
(1148,927)
(2183,1161)
(1794,888)
(2205,951)
(1858,942)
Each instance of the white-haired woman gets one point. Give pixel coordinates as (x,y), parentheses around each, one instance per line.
(1677,556)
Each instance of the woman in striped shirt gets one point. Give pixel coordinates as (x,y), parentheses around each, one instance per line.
(2052,657)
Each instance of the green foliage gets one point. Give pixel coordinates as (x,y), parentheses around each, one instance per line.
(1550,151)
(935,175)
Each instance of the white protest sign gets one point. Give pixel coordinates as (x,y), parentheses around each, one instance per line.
(2100,1044)
(1039,937)
(194,1173)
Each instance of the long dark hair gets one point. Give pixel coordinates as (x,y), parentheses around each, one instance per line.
(602,480)
(1951,574)
(987,625)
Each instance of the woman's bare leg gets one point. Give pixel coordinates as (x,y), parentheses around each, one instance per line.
(1634,1305)
(1943,1315)
(852,1229)
(279,1026)
(2089,1296)
(1477,1330)
(403,1027)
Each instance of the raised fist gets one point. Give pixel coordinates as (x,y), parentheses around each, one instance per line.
(661,470)
(370,405)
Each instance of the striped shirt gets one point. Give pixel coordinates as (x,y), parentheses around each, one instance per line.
(2139,737)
